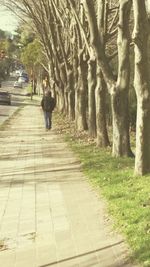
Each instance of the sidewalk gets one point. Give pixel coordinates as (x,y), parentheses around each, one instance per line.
(49,214)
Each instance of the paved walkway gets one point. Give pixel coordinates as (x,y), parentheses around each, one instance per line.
(49,214)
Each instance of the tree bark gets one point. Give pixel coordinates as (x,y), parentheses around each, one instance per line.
(119,97)
(91,98)
(142,87)
(60,100)
(102,134)
(81,95)
(100,92)
(60,89)
(71,95)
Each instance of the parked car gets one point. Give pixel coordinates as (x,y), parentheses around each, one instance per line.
(22,79)
(17,84)
(5,98)
(25,76)
(17,73)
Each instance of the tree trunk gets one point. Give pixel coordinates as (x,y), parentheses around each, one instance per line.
(142,87)
(60,101)
(59,87)
(71,103)
(71,95)
(121,141)
(102,134)
(119,97)
(66,108)
(81,95)
(91,98)
(76,78)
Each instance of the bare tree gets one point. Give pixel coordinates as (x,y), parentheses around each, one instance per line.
(96,107)
(118,89)
(142,87)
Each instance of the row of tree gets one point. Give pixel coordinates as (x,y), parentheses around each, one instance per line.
(85,48)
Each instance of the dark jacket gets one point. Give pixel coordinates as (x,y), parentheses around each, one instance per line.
(48,103)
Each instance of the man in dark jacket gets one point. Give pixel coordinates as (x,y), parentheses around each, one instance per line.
(48,105)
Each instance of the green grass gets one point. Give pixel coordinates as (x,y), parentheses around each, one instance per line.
(128,196)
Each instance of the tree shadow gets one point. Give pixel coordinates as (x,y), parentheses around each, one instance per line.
(4,115)
(86,262)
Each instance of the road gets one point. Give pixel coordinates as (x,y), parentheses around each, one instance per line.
(17,98)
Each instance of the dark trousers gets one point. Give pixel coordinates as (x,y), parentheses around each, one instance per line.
(48,119)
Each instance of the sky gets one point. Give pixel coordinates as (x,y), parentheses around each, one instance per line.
(8,21)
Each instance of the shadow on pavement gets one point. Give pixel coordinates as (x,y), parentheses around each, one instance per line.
(40,171)
(89,253)
(4,115)
(19,94)
(23,104)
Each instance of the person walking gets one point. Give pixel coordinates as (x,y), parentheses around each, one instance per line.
(48,105)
